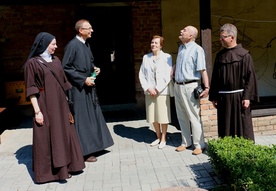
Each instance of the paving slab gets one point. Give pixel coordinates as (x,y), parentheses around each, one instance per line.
(131,164)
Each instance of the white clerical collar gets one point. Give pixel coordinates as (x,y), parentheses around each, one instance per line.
(46,56)
(81,39)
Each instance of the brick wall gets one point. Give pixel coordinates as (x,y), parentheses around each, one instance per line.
(146,23)
(209,118)
(19,26)
(265,125)
(262,125)
(21,23)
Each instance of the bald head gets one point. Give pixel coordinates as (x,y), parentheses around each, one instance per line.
(193,31)
(188,34)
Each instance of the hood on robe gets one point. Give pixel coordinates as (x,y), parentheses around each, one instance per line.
(234,54)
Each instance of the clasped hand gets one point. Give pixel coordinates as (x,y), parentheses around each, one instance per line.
(153,92)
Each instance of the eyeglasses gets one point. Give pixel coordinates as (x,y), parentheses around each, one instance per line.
(90,28)
(224,37)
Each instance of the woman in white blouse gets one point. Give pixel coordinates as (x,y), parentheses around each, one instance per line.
(155,77)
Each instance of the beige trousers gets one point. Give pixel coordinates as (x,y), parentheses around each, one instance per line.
(188,115)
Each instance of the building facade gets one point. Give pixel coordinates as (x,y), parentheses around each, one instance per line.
(122,34)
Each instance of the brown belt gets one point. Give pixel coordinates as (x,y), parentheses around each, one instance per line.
(183,83)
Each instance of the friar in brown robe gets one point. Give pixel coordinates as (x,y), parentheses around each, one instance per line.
(233,86)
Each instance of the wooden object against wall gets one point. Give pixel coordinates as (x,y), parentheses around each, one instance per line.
(205,31)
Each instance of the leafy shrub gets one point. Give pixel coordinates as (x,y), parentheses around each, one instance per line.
(242,164)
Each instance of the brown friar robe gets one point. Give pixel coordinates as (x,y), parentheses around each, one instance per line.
(234,71)
(56,147)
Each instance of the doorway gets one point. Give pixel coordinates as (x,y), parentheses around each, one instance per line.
(111,45)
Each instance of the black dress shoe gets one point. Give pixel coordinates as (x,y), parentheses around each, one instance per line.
(91,159)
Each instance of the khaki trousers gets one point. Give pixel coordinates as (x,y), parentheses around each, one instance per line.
(188,115)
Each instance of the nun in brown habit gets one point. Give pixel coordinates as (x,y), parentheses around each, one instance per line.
(56,148)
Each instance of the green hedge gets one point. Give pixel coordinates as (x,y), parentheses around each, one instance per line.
(242,164)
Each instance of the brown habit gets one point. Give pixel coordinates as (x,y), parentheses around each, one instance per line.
(56,148)
(234,70)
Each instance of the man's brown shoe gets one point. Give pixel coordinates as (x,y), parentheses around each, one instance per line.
(91,159)
(198,151)
(181,148)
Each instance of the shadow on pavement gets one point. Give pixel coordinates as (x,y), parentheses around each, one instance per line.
(24,156)
(124,115)
(145,134)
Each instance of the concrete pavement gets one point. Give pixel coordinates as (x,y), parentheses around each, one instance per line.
(129,165)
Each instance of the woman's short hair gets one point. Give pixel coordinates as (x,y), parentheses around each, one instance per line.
(161,39)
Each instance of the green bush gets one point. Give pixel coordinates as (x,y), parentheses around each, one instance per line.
(242,164)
